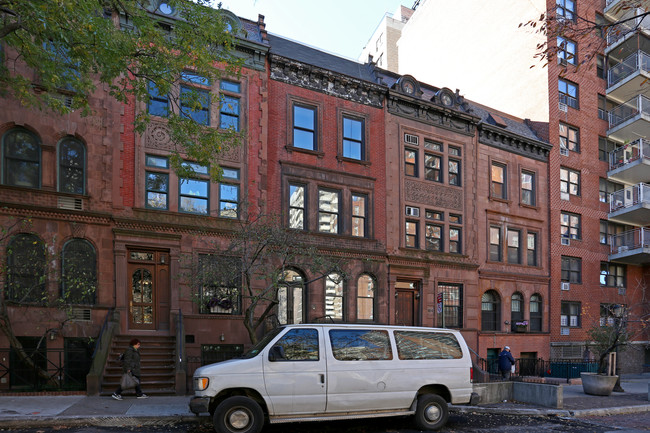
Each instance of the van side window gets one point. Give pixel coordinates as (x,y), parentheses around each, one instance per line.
(360,345)
(297,345)
(427,345)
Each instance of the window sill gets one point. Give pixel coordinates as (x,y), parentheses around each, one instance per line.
(289,148)
(500,200)
(530,206)
(342,158)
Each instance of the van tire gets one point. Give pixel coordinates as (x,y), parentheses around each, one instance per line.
(238,415)
(432,412)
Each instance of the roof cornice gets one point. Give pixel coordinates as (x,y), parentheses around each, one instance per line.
(498,137)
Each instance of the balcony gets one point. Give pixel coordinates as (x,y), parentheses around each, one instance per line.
(615,9)
(628,78)
(631,205)
(630,120)
(629,25)
(632,247)
(630,164)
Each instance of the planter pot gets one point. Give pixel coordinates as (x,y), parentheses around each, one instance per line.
(521,328)
(598,384)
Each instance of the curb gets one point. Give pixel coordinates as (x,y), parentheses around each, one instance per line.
(553,412)
(611,410)
(106,421)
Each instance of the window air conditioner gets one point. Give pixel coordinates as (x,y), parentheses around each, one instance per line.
(411,139)
(564,151)
(565,241)
(412,211)
(565,285)
(563,107)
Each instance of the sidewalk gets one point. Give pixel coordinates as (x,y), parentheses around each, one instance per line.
(76,410)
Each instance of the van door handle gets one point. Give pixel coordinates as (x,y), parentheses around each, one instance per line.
(322,378)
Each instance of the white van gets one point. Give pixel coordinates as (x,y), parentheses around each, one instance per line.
(317,372)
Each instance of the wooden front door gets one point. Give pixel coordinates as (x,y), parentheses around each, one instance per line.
(144,286)
(407,304)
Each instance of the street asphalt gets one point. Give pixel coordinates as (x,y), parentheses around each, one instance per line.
(40,411)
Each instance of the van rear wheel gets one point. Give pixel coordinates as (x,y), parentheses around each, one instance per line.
(432,412)
(238,415)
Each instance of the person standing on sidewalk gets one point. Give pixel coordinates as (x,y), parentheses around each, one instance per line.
(131,364)
(506,361)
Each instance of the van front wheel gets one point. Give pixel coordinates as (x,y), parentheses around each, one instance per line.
(432,412)
(238,415)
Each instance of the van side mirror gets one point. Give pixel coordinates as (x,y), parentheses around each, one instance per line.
(276,353)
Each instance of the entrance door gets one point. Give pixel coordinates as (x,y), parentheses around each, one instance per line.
(407,304)
(145,269)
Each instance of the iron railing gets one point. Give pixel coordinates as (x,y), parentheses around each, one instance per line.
(630,196)
(634,151)
(536,367)
(630,240)
(628,110)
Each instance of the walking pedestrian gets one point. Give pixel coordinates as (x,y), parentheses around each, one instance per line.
(131,364)
(506,361)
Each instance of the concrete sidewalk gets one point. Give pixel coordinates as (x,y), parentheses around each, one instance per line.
(76,410)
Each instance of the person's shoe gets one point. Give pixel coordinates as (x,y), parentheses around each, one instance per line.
(142,396)
(116,396)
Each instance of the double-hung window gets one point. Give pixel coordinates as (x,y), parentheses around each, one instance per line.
(455,240)
(412,234)
(528,188)
(194,193)
(454,171)
(499,181)
(612,274)
(531,249)
(229,115)
(304,127)
(565,9)
(21,164)
(568,93)
(353,138)
(432,167)
(297,206)
(157,182)
(606,188)
(229,193)
(195,98)
(566,51)
(495,244)
(433,237)
(411,162)
(569,138)
(570,225)
(571,269)
(569,182)
(328,211)
(158,104)
(359,215)
(570,314)
(514,246)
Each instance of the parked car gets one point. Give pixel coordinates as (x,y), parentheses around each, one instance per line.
(318,372)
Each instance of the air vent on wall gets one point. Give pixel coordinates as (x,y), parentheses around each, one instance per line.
(80,314)
(411,139)
(70,203)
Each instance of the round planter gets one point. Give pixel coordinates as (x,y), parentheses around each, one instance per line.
(598,384)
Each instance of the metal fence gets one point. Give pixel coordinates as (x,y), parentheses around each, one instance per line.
(524,367)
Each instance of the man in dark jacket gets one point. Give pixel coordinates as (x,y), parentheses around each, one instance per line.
(506,361)
(131,364)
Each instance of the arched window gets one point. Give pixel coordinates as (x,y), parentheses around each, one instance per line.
(72,166)
(490,311)
(78,272)
(516,309)
(26,269)
(536,313)
(291,297)
(21,163)
(365,298)
(334,297)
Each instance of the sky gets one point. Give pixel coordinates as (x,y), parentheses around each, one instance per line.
(337,26)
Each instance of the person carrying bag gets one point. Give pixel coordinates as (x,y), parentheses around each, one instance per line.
(131,371)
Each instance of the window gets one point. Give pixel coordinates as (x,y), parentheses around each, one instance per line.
(607,187)
(359,212)
(495,244)
(195,101)
(528,196)
(572,269)
(611,314)
(570,225)
(228,200)
(78,272)
(570,314)
(516,309)
(569,181)
(411,162)
(158,105)
(499,181)
(360,345)
(601,22)
(22,159)
(568,93)
(605,147)
(353,132)
(432,165)
(296,207)
(612,274)
(566,51)
(455,240)
(328,211)
(428,345)
(601,72)
(291,289)
(434,215)
(569,138)
(26,269)
(565,9)
(454,171)
(220,284)
(531,249)
(536,313)
(433,145)
(602,107)
(334,297)
(452,305)
(609,229)
(72,166)
(455,151)
(156,184)
(304,127)
(298,345)
(490,311)
(193,196)
(514,246)
(433,237)
(366,298)
(229,109)
(411,234)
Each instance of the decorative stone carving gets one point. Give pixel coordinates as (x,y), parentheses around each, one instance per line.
(512,143)
(157,136)
(433,115)
(433,195)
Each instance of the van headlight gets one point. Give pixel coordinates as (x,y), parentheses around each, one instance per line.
(201,383)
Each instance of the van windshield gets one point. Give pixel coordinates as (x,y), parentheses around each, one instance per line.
(253,351)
